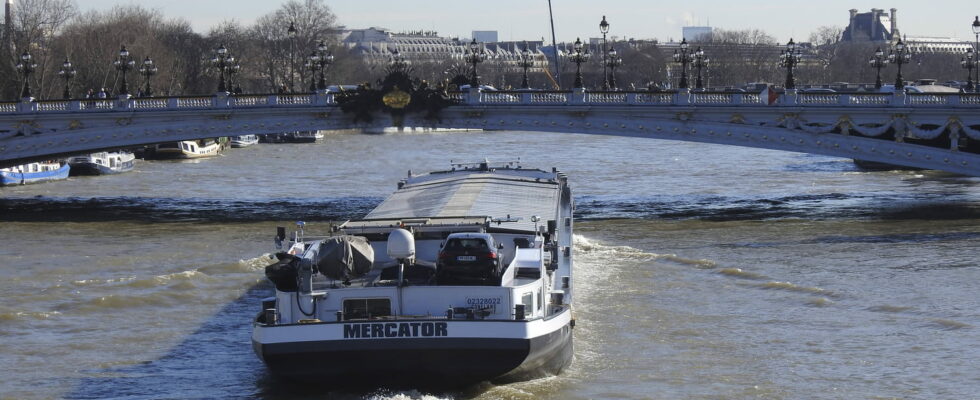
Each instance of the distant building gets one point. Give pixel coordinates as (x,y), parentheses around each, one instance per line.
(377,45)
(697,33)
(937,45)
(485,36)
(878,27)
(874,26)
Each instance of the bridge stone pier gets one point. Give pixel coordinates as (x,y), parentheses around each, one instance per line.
(925,130)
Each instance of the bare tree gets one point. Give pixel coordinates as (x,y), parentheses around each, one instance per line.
(285,55)
(36,24)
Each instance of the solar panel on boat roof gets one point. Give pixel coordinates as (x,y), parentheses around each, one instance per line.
(474,194)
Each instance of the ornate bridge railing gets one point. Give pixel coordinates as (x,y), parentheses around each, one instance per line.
(524,97)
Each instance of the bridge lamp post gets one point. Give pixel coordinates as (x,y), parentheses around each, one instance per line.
(976,34)
(683,57)
(326,58)
(789,59)
(123,64)
(526,62)
(148,69)
(313,64)
(604,29)
(969,63)
(291,34)
(67,72)
(232,71)
(222,61)
(901,55)
(878,61)
(476,56)
(613,61)
(578,57)
(26,66)
(700,62)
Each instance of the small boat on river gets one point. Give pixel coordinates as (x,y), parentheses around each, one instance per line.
(102,163)
(243,141)
(186,149)
(35,172)
(303,136)
(460,276)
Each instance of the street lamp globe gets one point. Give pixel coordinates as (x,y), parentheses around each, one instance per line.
(604,26)
(67,72)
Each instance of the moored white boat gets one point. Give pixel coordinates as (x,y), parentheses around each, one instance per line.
(186,149)
(34,173)
(243,140)
(438,287)
(303,136)
(102,163)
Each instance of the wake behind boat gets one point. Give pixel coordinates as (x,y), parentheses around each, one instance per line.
(460,276)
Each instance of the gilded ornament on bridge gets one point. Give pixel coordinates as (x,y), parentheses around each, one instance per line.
(124,121)
(397,99)
(75,124)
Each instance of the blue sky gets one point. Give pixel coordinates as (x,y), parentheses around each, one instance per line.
(528,19)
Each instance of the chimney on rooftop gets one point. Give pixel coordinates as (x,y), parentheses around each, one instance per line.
(875,21)
(854,13)
(894,23)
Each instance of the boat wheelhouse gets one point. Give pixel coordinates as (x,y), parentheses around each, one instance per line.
(388,300)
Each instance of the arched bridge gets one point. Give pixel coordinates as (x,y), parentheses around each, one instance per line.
(934,131)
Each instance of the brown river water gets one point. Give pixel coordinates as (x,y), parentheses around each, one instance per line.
(702,272)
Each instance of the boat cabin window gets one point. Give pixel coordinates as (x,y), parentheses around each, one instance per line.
(527,299)
(366,308)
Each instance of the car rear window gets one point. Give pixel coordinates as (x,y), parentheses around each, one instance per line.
(466,244)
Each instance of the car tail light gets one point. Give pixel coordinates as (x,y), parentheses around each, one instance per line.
(492,255)
(442,254)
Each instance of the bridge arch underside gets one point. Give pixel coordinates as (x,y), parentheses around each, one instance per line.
(943,139)
(938,140)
